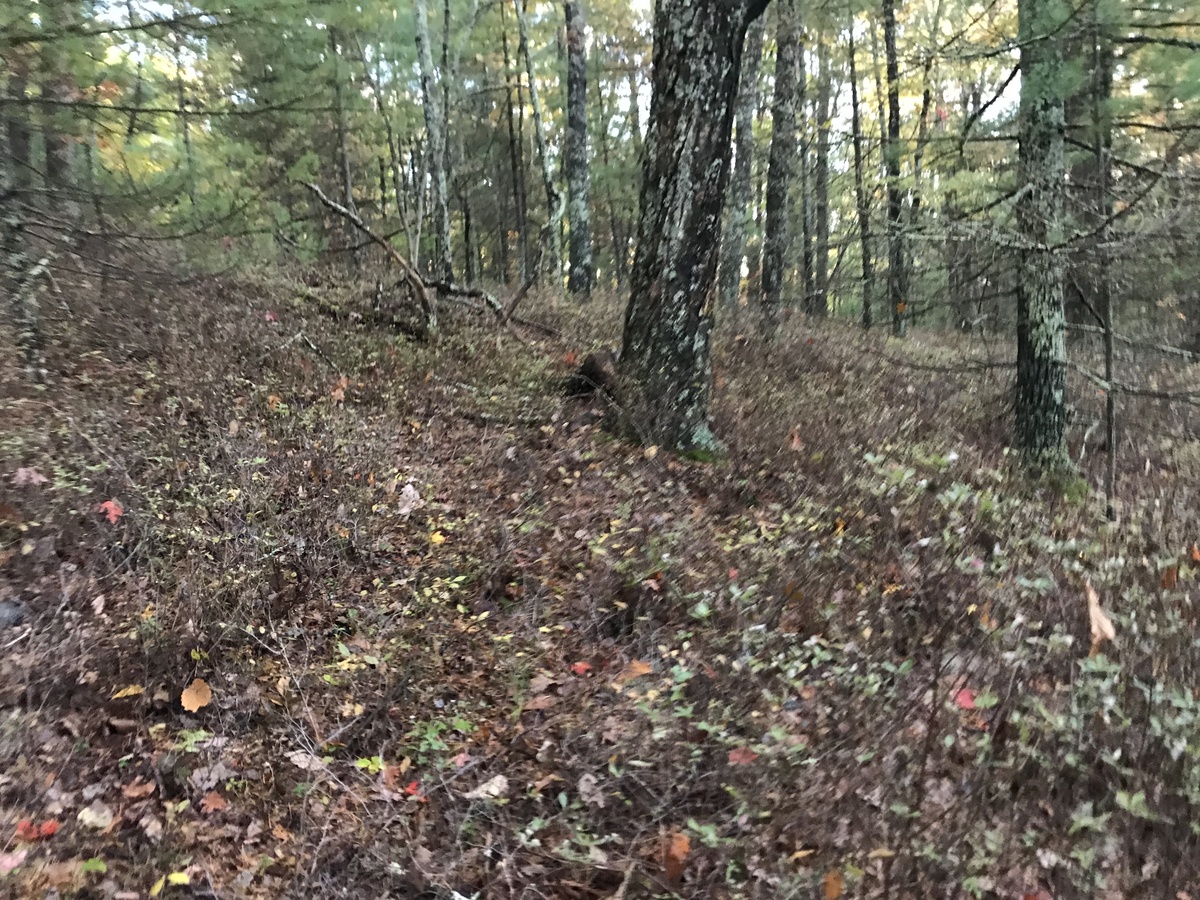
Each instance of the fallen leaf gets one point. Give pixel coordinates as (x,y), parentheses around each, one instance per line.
(213,802)
(1170,578)
(271,316)
(410,500)
(461,759)
(650,452)
(48,829)
(158,886)
(28,476)
(196,695)
(97,816)
(437,538)
(111,509)
(541,683)
(490,789)
(881,853)
(834,884)
(634,669)
(95,865)
(742,756)
(541,701)
(1102,626)
(179,878)
(131,691)
(589,790)
(964,698)
(581,668)
(10,861)
(675,849)
(1195,553)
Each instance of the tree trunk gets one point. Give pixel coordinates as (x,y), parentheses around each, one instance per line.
(516,157)
(554,209)
(345,172)
(897,271)
(820,304)
(58,84)
(685,171)
(740,210)
(778,239)
(1041,348)
(807,265)
(435,152)
(575,155)
(17,132)
(620,246)
(860,192)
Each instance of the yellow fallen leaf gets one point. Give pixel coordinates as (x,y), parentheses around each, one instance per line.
(881,853)
(196,695)
(158,886)
(131,691)
(437,538)
(178,878)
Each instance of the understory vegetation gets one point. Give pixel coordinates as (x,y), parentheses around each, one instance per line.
(294,605)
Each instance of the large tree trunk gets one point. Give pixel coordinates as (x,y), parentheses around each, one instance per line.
(575,155)
(435,152)
(860,193)
(740,213)
(1041,348)
(17,132)
(778,238)
(685,170)
(897,279)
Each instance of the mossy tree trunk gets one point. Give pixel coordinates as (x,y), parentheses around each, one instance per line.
(1041,323)
(685,171)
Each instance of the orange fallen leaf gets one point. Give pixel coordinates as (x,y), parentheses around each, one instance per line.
(138,789)
(111,509)
(834,885)
(1170,578)
(581,668)
(675,849)
(742,756)
(1195,553)
(196,695)
(213,802)
(634,669)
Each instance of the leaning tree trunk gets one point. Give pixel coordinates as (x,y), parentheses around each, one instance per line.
(685,170)
(1041,324)
(436,146)
(778,237)
(575,155)
(733,241)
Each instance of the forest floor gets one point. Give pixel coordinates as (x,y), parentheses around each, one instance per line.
(292,605)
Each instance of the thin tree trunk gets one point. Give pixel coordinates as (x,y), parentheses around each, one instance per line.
(807,229)
(739,209)
(685,169)
(620,247)
(435,150)
(1041,325)
(820,305)
(860,192)
(778,239)
(575,155)
(58,84)
(185,126)
(345,173)
(516,143)
(554,204)
(897,275)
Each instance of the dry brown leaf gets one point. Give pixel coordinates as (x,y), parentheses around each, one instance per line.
(213,802)
(675,849)
(1102,626)
(138,789)
(196,695)
(835,884)
(541,701)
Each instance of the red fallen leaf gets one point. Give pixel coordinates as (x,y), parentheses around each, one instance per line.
(271,316)
(570,358)
(1195,553)
(742,756)
(581,667)
(413,789)
(964,698)
(30,833)
(48,828)
(111,509)
(675,849)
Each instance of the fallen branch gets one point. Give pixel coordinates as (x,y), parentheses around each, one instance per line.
(416,284)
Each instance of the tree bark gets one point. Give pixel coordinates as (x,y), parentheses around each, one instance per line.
(345,172)
(778,238)
(820,303)
(1041,347)
(435,152)
(554,209)
(575,155)
(685,171)
(897,279)
(860,192)
(516,156)
(740,211)
(58,84)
